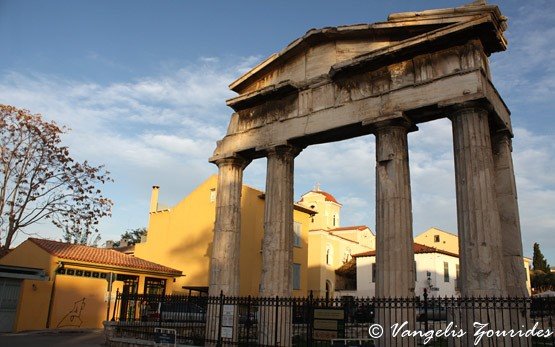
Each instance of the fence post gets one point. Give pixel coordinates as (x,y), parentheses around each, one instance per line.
(219,343)
(425,295)
(309,319)
(115,305)
(276,321)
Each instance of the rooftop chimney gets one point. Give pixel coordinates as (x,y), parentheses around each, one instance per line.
(154,199)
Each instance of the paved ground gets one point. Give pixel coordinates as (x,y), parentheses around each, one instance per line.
(69,338)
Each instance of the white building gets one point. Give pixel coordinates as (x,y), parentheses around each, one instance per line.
(436,270)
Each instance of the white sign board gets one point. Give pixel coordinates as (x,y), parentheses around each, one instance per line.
(227,315)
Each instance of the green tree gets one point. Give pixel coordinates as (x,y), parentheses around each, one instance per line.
(539,261)
(133,236)
(39,180)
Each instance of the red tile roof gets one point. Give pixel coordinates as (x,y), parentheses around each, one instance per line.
(417,248)
(99,256)
(328,196)
(353,227)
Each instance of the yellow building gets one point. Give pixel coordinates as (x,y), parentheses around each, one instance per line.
(60,285)
(181,237)
(330,246)
(449,242)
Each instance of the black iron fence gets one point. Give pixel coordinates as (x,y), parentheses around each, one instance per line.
(310,321)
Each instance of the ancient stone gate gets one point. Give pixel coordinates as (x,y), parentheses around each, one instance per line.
(381,79)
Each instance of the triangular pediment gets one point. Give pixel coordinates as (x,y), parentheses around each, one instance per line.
(321,51)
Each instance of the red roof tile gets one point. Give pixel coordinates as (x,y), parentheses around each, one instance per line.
(99,256)
(328,196)
(353,227)
(417,248)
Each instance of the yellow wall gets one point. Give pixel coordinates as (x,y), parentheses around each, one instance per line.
(181,238)
(78,302)
(28,254)
(447,242)
(341,248)
(34,299)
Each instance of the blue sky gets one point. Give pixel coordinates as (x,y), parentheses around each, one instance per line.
(143,84)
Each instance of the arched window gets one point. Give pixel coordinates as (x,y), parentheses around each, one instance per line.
(329,254)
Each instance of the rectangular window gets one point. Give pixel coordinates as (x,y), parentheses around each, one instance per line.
(212,194)
(297,234)
(436,238)
(445,271)
(296,276)
(457,278)
(373,272)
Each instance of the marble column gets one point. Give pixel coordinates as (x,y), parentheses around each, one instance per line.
(224,266)
(480,252)
(277,247)
(394,241)
(507,203)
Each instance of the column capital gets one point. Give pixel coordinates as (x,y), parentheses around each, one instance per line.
(501,137)
(469,106)
(395,120)
(284,150)
(236,160)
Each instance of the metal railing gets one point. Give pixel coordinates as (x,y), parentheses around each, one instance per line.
(310,321)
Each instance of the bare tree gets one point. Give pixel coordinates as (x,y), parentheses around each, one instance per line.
(40,181)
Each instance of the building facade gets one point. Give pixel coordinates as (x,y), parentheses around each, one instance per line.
(59,285)
(331,246)
(181,237)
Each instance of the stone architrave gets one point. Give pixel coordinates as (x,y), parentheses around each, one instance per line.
(277,245)
(394,240)
(507,202)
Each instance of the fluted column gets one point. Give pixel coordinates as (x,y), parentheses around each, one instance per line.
(480,254)
(394,241)
(277,247)
(224,266)
(511,239)
(394,249)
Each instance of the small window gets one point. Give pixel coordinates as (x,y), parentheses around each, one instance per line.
(70,272)
(95,274)
(436,238)
(373,272)
(445,271)
(457,277)
(297,234)
(212,194)
(333,220)
(78,272)
(329,255)
(296,276)
(87,274)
